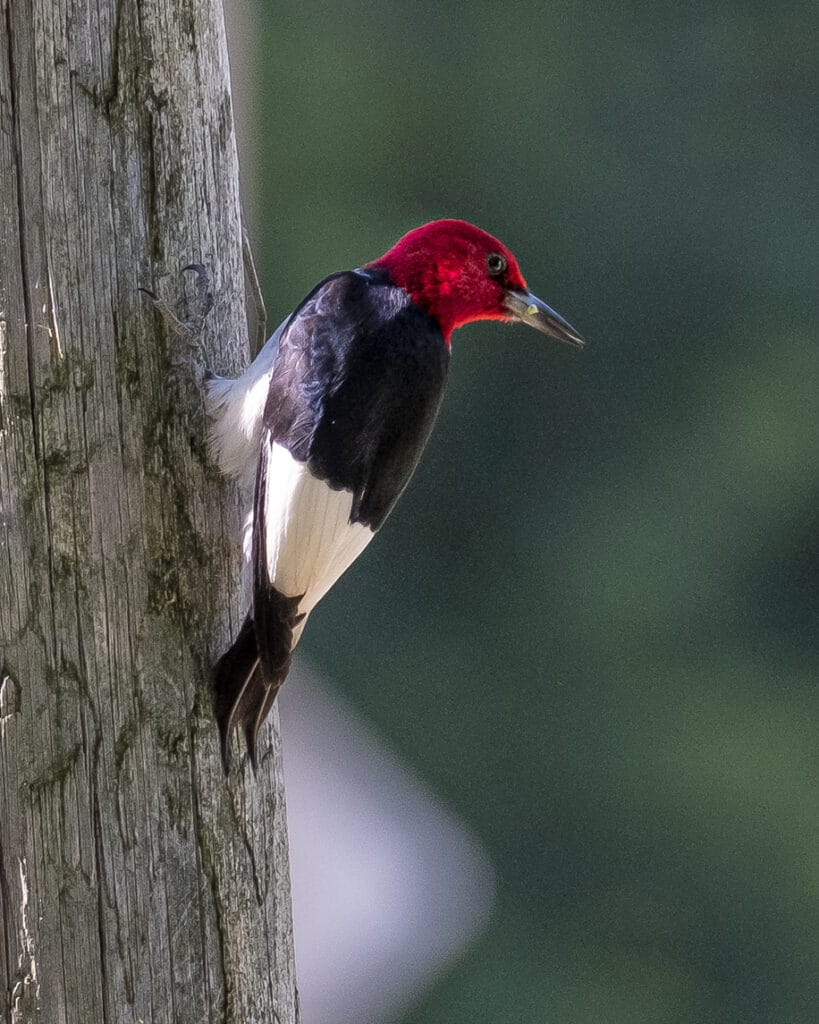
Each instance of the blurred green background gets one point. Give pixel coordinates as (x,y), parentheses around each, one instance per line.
(591,622)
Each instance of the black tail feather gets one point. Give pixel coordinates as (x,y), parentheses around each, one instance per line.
(246,678)
(235,685)
(251,717)
(259,712)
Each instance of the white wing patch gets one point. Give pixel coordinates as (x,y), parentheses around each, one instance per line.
(310,539)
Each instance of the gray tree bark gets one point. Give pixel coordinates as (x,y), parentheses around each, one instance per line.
(135,883)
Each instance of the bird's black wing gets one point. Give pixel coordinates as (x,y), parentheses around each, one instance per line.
(356,388)
(354,391)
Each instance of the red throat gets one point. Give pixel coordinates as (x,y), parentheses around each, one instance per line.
(442,267)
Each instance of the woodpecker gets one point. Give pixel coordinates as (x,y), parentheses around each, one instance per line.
(331,419)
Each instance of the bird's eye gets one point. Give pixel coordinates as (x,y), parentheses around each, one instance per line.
(495,264)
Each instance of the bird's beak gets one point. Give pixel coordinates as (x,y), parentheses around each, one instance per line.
(529,309)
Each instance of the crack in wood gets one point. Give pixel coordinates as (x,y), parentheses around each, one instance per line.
(99,872)
(111,94)
(3,350)
(26,991)
(5,915)
(28,305)
(17,160)
(9,695)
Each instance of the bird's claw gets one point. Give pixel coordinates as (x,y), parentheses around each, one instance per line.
(200,303)
(196,304)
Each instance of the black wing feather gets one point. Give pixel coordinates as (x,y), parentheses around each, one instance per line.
(355,389)
(357,386)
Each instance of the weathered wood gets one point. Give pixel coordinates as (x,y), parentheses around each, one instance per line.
(135,883)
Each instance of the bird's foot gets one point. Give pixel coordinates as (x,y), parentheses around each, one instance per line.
(186,324)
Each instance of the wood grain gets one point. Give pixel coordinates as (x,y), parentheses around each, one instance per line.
(136,885)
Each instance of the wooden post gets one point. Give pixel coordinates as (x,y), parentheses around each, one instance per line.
(136,884)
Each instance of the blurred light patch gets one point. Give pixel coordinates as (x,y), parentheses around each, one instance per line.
(388,886)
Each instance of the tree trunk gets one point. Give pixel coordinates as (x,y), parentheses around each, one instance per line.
(136,884)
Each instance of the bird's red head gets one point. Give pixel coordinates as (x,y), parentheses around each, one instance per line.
(460,274)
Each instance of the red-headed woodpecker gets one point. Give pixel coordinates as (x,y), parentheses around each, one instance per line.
(332,417)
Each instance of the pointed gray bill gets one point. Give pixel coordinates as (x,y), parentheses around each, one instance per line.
(529,309)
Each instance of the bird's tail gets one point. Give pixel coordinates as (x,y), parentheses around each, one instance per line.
(235,686)
(241,693)
(247,677)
